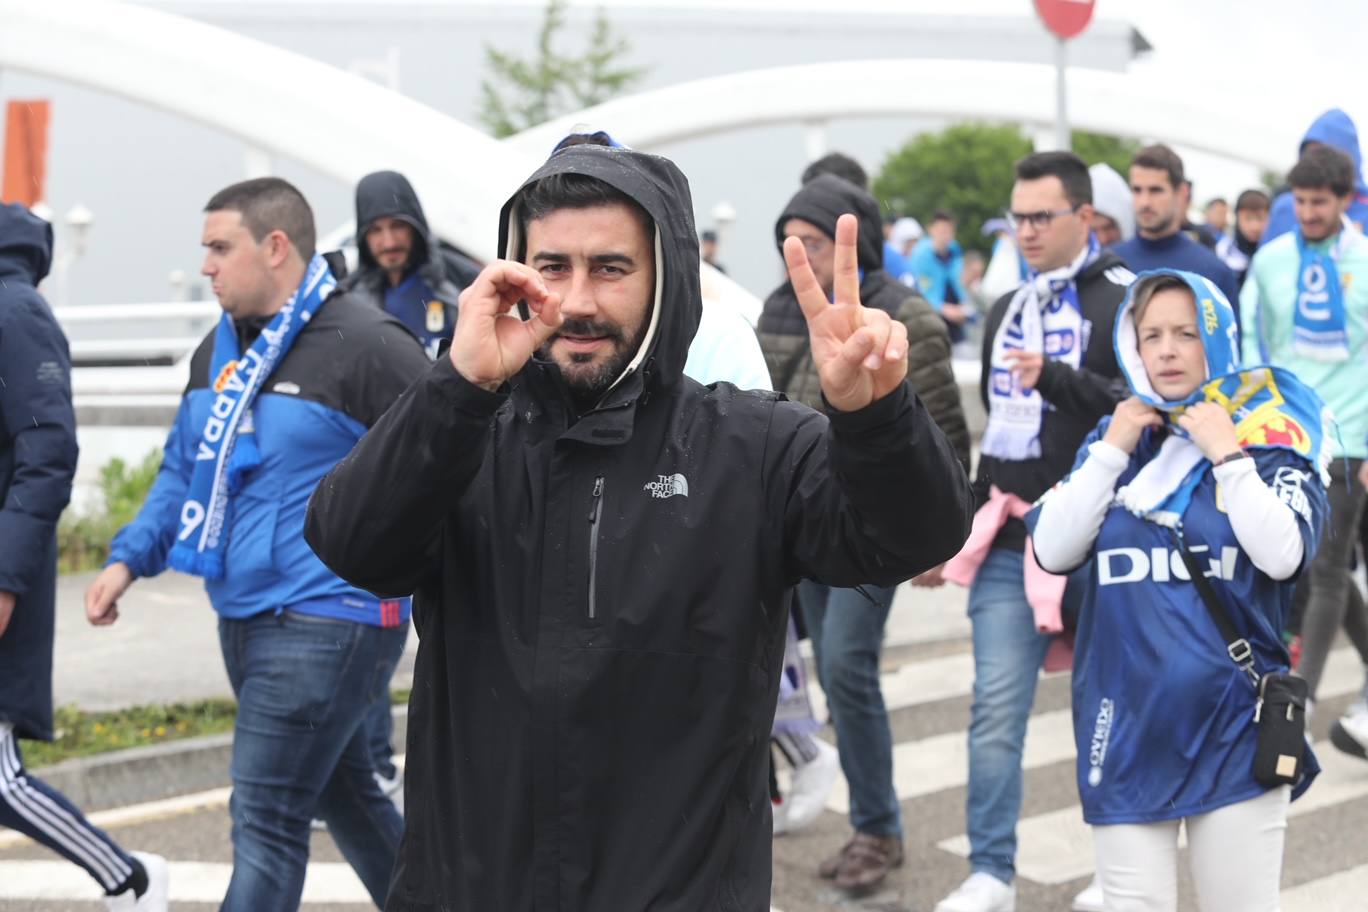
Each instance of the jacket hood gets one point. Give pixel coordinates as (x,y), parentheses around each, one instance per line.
(1112,198)
(25,244)
(1215,323)
(389,194)
(659,187)
(1336,129)
(823,200)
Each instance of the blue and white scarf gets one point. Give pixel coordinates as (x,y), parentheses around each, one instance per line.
(1270,407)
(227,448)
(1319,331)
(1043,316)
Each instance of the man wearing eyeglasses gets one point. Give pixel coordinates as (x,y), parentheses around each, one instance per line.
(1049,375)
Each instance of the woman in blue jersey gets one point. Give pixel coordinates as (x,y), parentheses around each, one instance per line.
(1227,461)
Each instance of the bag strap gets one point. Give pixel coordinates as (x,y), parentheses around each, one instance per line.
(1237,647)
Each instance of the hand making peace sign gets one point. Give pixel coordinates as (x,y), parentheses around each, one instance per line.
(860,352)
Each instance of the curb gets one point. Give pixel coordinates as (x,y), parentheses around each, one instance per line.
(142,774)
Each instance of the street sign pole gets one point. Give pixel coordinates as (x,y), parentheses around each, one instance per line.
(1063,140)
(1064,19)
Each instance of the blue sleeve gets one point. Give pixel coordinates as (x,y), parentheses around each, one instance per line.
(1282,218)
(954,278)
(144,543)
(923,274)
(38,426)
(1297,484)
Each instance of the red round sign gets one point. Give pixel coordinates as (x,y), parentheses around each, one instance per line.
(1066,18)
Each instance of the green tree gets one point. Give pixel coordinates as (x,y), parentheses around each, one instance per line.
(523,93)
(967,168)
(1099,147)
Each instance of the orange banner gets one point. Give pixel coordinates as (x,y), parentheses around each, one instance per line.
(26,124)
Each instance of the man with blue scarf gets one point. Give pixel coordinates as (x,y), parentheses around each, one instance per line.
(1305,307)
(282,389)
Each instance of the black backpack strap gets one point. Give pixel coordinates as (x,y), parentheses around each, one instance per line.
(1237,647)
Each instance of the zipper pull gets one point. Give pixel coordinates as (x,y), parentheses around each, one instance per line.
(594,506)
(1258,710)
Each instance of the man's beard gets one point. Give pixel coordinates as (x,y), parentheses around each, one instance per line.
(586,380)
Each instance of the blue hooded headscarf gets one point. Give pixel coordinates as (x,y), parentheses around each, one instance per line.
(1269,406)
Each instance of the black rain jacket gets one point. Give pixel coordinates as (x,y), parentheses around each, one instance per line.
(445,271)
(37,464)
(602,601)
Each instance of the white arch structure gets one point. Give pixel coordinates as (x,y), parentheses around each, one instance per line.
(343,125)
(285,104)
(1122,104)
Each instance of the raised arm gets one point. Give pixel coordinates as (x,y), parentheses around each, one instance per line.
(877,495)
(376,517)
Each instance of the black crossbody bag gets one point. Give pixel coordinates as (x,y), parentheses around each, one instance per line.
(1280,713)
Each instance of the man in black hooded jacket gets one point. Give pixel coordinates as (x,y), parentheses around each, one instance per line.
(601,550)
(403,268)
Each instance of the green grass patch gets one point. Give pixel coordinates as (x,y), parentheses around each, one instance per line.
(83,734)
(83,539)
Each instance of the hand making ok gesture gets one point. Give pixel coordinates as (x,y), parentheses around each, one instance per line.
(860,352)
(491,342)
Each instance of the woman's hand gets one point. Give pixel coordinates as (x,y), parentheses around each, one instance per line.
(1211,429)
(1129,420)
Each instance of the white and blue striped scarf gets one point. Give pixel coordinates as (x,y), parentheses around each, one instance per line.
(1043,316)
(227,448)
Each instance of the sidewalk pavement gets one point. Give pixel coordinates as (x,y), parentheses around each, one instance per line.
(164,649)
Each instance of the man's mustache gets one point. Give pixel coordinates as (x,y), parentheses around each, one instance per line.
(589,328)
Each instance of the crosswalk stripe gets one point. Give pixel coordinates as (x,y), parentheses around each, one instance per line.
(1056,847)
(942,762)
(1342,891)
(191,881)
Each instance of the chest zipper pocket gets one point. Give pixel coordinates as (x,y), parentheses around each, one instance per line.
(595,521)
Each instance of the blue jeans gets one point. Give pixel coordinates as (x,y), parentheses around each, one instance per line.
(304,685)
(847,636)
(1008,653)
(380,727)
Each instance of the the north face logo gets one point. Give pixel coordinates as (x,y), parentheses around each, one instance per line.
(668,486)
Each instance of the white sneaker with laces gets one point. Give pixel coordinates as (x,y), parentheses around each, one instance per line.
(1350,733)
(1090,900)
(981,892)
(155,898)
(811,786)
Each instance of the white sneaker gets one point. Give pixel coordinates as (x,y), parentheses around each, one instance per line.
(981,892)
(1090,900)
(393,789)
(1350,733)
(155,898)
(811,786)
(780,814)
